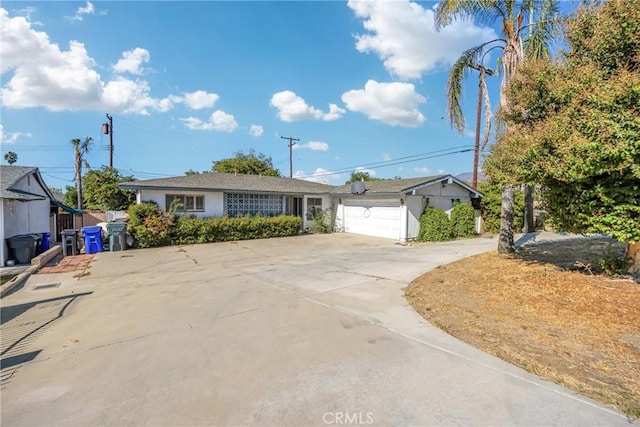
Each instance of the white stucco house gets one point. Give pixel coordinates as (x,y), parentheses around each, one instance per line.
(26,205)
(389,208)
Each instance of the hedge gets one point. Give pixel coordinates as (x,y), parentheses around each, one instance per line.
(151,227)
(435,226)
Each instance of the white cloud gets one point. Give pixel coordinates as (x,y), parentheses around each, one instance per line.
(403,35)
(313,145)
(60,80)
(371,172)
(395,103)
(218,121)
(11,137)
(319,175)
(200,99)
(132,60)
(425,170)
(386,157)
(86,10)
(292,108)
(256,130)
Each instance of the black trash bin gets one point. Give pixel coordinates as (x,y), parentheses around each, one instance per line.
(70,242)
(23,247)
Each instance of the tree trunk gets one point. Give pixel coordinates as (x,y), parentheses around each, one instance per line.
(633,255)
(505,242)
(79,178)
(529,220)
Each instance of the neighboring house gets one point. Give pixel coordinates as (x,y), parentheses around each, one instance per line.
(26,204)
(388,208)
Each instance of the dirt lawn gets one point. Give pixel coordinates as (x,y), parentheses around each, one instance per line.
(571,327)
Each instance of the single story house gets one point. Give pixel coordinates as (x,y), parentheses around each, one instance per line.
(388,208)
(26,205)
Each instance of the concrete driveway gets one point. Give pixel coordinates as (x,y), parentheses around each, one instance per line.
(311,330)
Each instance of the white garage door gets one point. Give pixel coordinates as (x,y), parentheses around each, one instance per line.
(373,218)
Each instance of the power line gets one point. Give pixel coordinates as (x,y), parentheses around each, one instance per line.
(398,161)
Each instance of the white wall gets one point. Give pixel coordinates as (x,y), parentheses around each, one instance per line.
(327,203)
(440,196)
(213,201)
(24,217)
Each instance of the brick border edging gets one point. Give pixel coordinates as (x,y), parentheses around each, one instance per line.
(36,264)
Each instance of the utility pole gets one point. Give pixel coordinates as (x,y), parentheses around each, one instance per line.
(108,129)
(476,152)
(291,144)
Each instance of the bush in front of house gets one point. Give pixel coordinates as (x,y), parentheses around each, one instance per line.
(463,220)
(207,230)
(321,221)
(149,226)
(435,226)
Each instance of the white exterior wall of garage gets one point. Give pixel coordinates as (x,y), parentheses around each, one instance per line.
(395,216)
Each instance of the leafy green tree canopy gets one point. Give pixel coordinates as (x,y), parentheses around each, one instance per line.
(11,157)
(250,163)
(101,191)
(361,176)
(574,125)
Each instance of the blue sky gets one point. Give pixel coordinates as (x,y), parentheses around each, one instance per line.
(361,84)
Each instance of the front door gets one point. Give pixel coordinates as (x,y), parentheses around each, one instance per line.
(294,206)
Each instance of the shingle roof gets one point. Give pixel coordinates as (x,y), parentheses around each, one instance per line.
(9,176)
(391,185)
(232,182)
(268,184)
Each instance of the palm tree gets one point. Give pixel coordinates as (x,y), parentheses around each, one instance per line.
(518,42)
(11,157)
(80,148)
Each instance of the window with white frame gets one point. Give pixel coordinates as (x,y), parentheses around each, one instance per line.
(185,203)
(314,206)
(237,204)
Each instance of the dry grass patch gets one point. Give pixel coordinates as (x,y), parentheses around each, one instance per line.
(576,329)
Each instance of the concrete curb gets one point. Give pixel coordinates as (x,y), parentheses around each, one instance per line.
(36,264)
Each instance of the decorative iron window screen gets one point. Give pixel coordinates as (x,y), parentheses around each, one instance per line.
(251,204)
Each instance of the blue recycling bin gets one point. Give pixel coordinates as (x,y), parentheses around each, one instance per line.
(44,245)
(92,239)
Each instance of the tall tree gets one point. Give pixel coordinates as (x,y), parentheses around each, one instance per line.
(361,176)
(11,157)
(525,24)
(246,163)
(80,148)
(574,125)
(101,191)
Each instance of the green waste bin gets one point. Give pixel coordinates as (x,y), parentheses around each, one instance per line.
(117,236)
(23,247)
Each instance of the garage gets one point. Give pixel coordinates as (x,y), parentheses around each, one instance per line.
(379,218)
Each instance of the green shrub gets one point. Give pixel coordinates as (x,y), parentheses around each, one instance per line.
(491,206)
(206,230)
(435,226)
(463,220)
(150,226)
(321,221)
(138,213)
